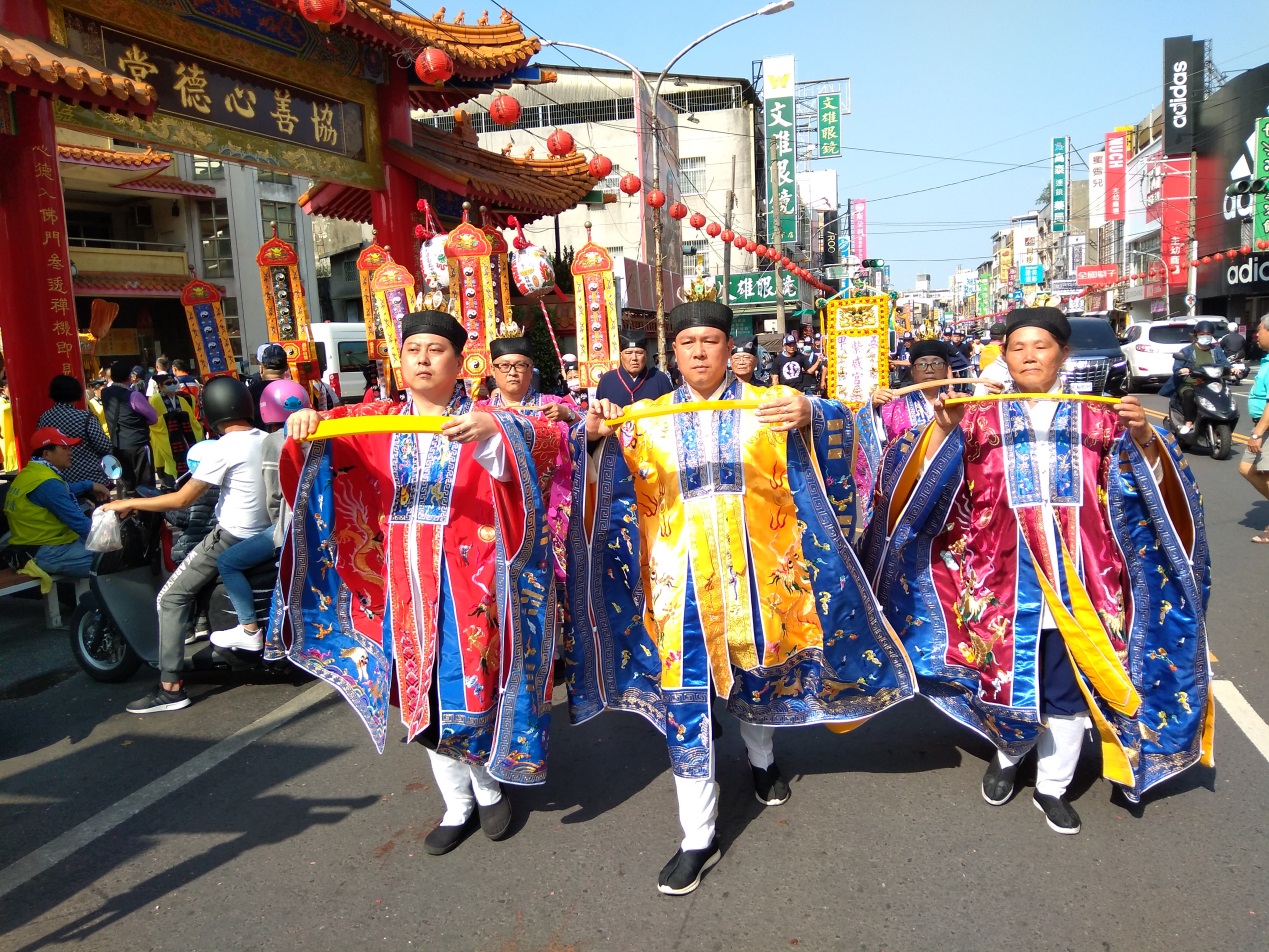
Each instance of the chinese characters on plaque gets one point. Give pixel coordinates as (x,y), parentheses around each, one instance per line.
(197,87)
(61,298)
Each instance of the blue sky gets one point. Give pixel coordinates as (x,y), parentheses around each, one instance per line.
(991,82)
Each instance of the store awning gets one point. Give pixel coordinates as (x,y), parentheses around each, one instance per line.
(129,285)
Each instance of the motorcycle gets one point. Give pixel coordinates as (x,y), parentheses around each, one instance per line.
(115,626)
(1217,415)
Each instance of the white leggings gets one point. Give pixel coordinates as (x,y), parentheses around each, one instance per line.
(1057,753)
(462,786)
(698,799)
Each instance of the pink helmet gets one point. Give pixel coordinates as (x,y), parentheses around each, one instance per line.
(282,398)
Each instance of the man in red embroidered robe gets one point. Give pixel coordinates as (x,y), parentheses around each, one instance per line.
(431,554)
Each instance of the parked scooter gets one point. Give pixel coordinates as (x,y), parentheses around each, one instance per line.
(115,627)
(1216,418)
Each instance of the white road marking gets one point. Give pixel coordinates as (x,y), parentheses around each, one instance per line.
(50,854)
(1244,715)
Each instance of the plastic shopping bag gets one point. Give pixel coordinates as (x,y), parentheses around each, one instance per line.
(105,534)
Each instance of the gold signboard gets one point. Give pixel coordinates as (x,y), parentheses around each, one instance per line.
(856,334)
(223,96)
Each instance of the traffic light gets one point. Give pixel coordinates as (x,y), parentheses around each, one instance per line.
(873,263)
(1247,187)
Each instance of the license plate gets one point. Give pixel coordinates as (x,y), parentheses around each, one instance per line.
(1082,386)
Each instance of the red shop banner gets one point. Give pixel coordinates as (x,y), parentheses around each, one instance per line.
(1090,274)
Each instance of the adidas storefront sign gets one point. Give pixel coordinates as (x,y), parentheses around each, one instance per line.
(1253,271)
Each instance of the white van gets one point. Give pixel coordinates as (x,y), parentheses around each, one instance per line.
(341,351)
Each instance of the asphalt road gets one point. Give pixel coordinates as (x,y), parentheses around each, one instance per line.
(198,830)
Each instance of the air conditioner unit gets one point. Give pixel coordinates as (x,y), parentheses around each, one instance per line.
(143,216)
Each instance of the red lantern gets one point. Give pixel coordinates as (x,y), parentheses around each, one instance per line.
(760,250)
(559,143)
(1245,249)
(433,66)
(678,211)
(739,242)
(629,183)
(697,220)
(1207,259)
(323,11)
(728,235)
(1231,254)
(599,166)
(1262,243)
(505,110)
(656,198)
(714,229)
(751,245)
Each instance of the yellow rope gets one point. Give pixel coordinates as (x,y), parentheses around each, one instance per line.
(388,423)
(690,407)
(1075,397)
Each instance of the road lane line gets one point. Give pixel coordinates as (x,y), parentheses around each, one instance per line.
(1244,715)
(50,854)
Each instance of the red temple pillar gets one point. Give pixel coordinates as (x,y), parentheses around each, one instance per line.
(394,206)
(37,300)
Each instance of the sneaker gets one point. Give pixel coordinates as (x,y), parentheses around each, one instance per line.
(495,819)
(1059,813)
(238,637)
(444,838)
(159,700)
(1186,429)
(999,782)
(198,634)
(682,874)
(769,787)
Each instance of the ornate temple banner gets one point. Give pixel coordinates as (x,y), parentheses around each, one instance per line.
(856,347)
(221,95)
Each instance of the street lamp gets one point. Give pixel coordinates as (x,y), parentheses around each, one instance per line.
(654,92)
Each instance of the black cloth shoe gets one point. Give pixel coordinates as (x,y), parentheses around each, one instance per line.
(682,874)
(444,838)
(769,787)
(159,700)
(1059,813)
(999,783)
(495,819)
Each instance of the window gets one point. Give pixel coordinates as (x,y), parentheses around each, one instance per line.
(213,228)
(617,251)
(350,270)
(693,253)
(1169,333)
(353,356)
(206,170)
(281,214)
(233,324)
(270,177)
(610,182)
(692,174)
(88,228)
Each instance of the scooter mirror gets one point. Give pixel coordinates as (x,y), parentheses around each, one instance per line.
(195,455)
(110,466)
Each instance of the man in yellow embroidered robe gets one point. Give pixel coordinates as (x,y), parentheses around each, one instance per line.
(713,558)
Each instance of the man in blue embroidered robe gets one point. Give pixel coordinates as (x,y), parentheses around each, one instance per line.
(710,555)
(1045,563)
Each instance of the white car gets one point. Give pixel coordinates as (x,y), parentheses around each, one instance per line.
(1149,349)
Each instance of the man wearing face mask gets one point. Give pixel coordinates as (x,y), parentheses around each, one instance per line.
(1204,352)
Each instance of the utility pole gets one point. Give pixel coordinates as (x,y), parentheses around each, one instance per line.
(731,202)
(659,263)
(1191,274)
(774,208)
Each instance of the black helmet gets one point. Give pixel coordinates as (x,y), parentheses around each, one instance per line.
(225,399)
(1204,327)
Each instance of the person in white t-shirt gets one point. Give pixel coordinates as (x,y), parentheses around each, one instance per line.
(234,462)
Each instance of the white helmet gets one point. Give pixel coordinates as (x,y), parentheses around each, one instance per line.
(1233,326)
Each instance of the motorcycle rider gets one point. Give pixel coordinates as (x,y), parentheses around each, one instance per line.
(1234,344)
(234,462)
(1203,352)
(278,401)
